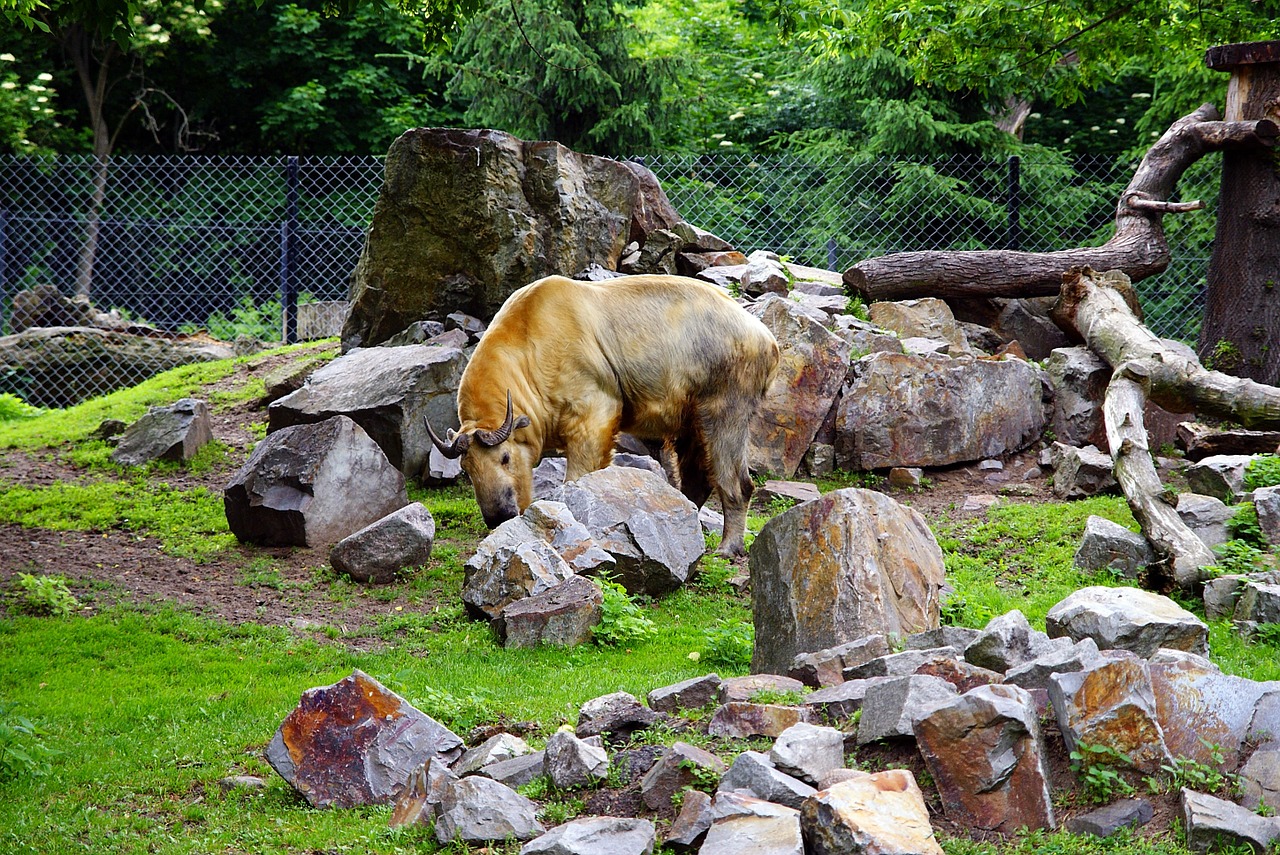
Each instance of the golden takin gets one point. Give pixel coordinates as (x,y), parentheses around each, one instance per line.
(569,365)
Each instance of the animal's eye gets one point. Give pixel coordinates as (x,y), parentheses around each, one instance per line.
(506,458)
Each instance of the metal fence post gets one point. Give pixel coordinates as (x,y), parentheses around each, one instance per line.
(832,254)
(4,271)
(1013,203)
(288,283)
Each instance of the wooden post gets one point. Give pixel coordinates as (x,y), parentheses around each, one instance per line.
(1241,331)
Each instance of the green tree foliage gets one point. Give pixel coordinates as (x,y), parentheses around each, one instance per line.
(559,69)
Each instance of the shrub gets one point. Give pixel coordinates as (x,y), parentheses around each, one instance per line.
(22,749)
(621,620)
(45,595)
(729,644)
(1263,471)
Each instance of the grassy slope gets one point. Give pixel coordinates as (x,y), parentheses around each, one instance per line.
(150,710)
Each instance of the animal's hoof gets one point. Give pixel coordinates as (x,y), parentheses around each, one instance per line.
(732,552)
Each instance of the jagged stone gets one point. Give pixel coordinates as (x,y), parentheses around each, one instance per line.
(944,662)
(1212,823)
(1259,602)
(312,485)
(1111,705)
(928,317)
(1266,501)
(1260,778)
(906,476)
(509,565)
(808,751)
(1220,476)
(571,762)
(174,433)
(1200,709)
(564,615)
(694,693)
(649,529)
(680,766)
(747,688)
(1127,619)
(416,804)
(594,836)
(1107,820)
(379,551)
(1009,641)
(1110,546)
(793,491)
(852,564)
(1206,517)
(517,771)
(754,774)
(691,823)
(812,366)
(481,810)
(465,217)
(615,716)
(985,752)
(742,825)
(764,275)
(355,742)
(891,708)
(839,703)
(882,812)
(495,749)
(1081,472)
(391,392)
(976,409)
(1079,377)
(739,720)
(1060,660)
(827,667)
(958,637)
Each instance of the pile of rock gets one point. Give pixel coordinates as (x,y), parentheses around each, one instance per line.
(1120,670)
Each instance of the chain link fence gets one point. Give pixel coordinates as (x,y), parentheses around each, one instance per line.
(265,246)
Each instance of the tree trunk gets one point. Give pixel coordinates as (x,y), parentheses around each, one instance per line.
(93,73)
(1241,331)
(1138,247)
(1097,308)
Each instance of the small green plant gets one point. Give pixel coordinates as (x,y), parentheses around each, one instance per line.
(1263,471)
(1236,556)
(701,777)
(857,308)
(776,696)
(1096,766)
(1244,525)
(45,596)
(1196,775)
(1225,356)
(622,621)
(728,643)
(13,408)
(22,748)
(560,811)
(1268,634)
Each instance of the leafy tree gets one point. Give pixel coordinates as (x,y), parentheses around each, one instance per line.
(559,69)
(30,120)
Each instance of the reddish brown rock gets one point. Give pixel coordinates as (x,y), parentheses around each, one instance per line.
(356,743)
(740,720)
(985,752)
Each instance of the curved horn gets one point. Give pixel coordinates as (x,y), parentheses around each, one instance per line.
(451,450)
(490,438)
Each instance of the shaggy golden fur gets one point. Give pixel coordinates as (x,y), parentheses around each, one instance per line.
(660,357)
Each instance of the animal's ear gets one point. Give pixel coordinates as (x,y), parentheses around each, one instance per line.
(521,421)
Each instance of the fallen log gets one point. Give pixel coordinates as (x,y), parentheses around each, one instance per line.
(1200,441)
(1096,307)
(1138,247)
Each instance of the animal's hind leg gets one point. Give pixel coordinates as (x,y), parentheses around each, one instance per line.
(725,428)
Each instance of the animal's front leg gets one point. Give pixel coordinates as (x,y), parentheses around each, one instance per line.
(589,441)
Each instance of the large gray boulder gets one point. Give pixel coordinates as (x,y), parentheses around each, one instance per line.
(1220,476)
(1127,619)
(465,217)
(312,485)
(595,835)
(391,392)
(1107,545)
(379,551)
(851,564)
(904,410)
(175,433)
(562,616)
(481,810)
(649,529)
(1213,824)
(812,366)
(356,743)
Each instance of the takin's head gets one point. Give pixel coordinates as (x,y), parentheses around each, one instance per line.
(499,465)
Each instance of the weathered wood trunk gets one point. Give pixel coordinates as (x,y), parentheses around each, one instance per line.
(1097,307)
(1241,331)
(1138,247)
